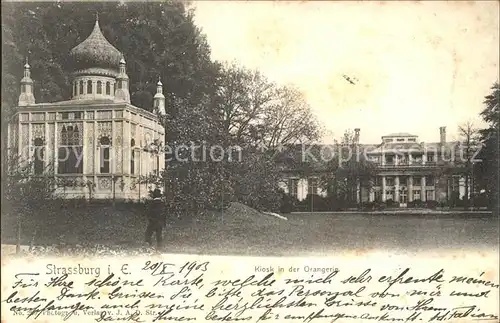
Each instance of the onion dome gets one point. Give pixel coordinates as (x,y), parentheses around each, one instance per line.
(95,54)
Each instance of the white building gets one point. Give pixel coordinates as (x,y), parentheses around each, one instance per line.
(95,144)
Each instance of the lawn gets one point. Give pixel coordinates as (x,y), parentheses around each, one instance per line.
(241,230)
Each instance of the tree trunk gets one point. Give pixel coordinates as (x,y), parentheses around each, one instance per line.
(18,238)
(466,197)
(359,193)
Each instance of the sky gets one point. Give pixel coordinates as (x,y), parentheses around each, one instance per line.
(418,65)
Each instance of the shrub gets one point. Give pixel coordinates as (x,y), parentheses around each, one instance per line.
(431,204)
(368,206)
(316,202)
(339,204)
(391,203)
(481,200)
(455,199)
(378,205)
(416,203)
(287,203)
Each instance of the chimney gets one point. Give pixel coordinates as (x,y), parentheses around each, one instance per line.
(356,135)
(442,135)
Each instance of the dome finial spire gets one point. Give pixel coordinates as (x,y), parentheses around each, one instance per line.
(97,16)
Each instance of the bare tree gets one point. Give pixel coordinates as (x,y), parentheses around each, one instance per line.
(289,119)
(469,136)
(243,95)
(255,111)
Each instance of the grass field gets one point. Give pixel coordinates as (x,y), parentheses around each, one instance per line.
(241,230)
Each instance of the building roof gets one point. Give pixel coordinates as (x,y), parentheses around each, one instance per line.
(399,134)
(95,52)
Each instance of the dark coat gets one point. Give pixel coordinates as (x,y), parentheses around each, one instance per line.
(155,211)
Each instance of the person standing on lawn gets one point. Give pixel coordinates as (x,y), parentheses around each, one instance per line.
(155,212)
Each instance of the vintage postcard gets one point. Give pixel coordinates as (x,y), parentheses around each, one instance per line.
(250,161)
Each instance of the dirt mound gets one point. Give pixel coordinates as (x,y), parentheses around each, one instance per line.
(243,213)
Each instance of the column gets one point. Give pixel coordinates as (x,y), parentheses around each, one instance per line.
(30,145)
(112,156)
(423,195)
(396,188)
(395,159)
(383,158)
(56,147)
(46,145)
(127,149)
(410,188)
(372,195)
(383,188)
(358,188)
(410,159)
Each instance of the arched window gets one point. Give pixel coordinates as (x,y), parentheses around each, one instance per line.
(119,84)
(99,87)
(132,156)
(70,153)
(105,155)
(89,87)
(75,136)
(64,136)
(75,88)
(39,156)
(23,88)
(108,88)
(81,87)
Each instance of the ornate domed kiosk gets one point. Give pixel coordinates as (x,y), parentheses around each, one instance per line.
(96,144)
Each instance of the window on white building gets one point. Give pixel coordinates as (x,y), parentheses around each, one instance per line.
(429,195)
(132,156)
(89,87)
(105,155)
(99,87)
(70,152)
(38,156)
(389,181)
(417,181)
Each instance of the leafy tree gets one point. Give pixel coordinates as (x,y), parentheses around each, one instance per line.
(24,194)
(487,170)
(264,120)
(257,183)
